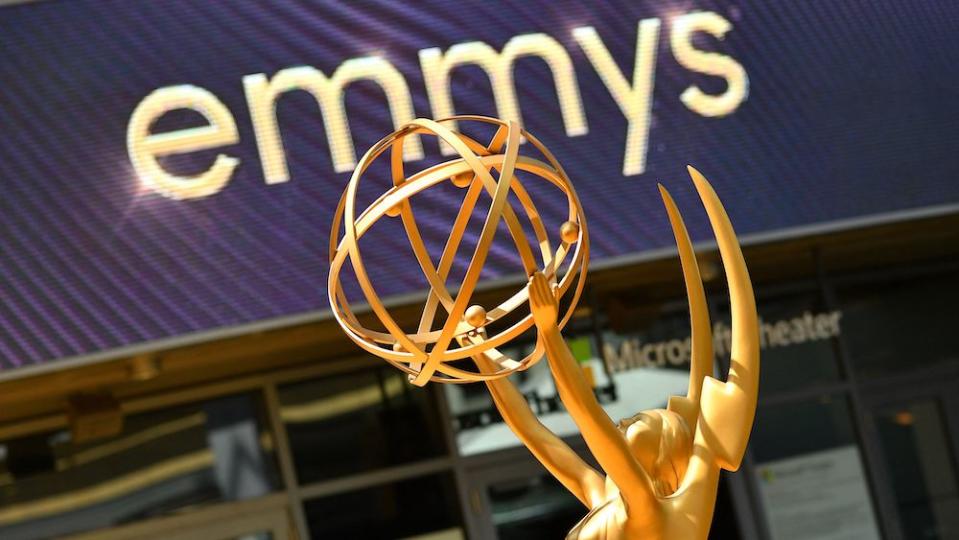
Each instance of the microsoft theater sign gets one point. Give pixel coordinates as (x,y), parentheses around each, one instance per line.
(633,353)
(632,92)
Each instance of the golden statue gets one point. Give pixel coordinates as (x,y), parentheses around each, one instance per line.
(662,466)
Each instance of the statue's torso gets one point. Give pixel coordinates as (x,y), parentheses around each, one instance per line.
(682,515)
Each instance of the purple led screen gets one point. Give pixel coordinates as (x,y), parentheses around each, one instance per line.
(851,112)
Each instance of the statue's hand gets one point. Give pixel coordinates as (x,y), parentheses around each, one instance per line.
(543,303)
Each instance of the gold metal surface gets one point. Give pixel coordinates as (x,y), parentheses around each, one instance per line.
(426,353)
(662,466)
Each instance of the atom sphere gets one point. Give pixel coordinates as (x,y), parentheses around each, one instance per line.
(427,353)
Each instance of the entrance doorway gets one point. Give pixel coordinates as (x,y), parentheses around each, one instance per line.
(915,428)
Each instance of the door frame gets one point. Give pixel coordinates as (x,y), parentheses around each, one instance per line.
(938,385)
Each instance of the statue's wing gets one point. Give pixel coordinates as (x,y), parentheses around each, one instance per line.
(727,408)
(701,365)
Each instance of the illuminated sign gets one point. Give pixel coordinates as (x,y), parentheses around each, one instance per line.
(170,169)
(634,100)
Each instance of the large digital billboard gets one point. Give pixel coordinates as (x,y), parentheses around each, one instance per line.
(170,168)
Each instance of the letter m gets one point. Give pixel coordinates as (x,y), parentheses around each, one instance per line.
(499,68)
(261,95)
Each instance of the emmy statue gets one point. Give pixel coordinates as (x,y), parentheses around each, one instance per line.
(662,466)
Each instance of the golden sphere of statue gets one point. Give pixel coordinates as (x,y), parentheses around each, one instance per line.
(462,180)
(569,232)
(496,168)
(476,316)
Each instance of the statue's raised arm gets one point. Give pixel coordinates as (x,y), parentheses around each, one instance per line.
(662,465)
(666,462)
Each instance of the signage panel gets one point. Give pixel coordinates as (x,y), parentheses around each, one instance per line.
(170,168)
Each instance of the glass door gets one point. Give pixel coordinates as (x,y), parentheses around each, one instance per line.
(916,434)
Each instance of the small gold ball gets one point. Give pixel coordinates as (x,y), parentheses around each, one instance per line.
(569,232)
(398,347)
(462,180)
(476,316)
(394,210)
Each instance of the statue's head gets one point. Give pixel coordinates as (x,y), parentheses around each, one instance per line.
(662,443)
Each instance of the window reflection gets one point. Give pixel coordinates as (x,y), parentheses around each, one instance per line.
(781,431)
(479,426)
(405,509)
(651,340)
(162,462)
(533,508)
(809,473)
(900,326)
(359,421)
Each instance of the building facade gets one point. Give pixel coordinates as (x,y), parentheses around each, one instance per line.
(169,367)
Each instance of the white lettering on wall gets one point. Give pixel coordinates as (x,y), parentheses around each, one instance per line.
(632,353)
(633,97)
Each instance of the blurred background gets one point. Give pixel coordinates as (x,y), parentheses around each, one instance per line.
(170,170)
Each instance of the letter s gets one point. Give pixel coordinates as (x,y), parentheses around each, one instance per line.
(708,63)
